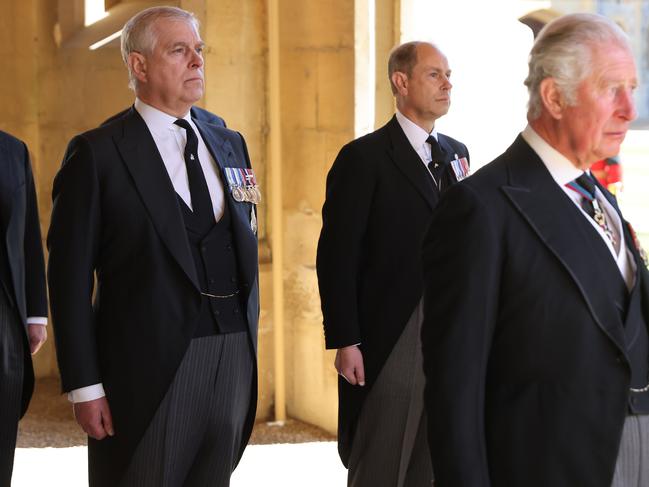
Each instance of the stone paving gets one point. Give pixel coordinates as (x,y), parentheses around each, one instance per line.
(51,450)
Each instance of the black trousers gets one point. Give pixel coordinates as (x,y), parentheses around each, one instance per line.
(11,385)
(195,435)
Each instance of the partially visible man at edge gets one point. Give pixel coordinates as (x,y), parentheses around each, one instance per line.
(535,341)
(23,296)
(159,203)
(381,192)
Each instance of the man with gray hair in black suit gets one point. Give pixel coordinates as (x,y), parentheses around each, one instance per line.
(158,207)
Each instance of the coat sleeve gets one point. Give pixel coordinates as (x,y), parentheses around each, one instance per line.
(350,186)
(35,288)
(461,268)
(73,243)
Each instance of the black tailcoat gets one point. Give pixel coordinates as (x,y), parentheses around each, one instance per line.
(524,352)
(116,216)
(22,268)
(380,197)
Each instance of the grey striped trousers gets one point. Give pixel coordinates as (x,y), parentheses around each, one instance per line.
(390,446)
(195,435)
(632,468)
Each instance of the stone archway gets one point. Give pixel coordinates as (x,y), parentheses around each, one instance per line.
(537,19)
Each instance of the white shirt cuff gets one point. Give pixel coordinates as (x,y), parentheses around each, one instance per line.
(85,394)
(37,320)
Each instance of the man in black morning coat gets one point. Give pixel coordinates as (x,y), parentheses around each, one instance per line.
(161,368)
(535,340)
(381,192)
(23,298)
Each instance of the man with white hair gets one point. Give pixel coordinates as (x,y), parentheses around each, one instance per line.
(535,342)
(157,206)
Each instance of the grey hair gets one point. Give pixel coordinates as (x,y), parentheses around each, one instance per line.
(138,34)
(563,51)
(403,58)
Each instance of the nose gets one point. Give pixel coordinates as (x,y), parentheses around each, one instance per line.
(627,108)
(197,59)
(447,83)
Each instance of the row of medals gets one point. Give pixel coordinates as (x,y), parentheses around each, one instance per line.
(250,194)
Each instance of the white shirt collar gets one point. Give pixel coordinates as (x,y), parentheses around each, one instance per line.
(156,120)
(561,169)
(415,134)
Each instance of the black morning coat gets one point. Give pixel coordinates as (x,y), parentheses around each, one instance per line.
(22,268)
(524,350)
(116,216)
(380,197)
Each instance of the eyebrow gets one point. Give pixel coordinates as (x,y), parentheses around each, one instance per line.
(439,70)
(184,44)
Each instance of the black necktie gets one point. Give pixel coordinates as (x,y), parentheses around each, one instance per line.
(586,183)
(585,186)
(437,162)
(201,201)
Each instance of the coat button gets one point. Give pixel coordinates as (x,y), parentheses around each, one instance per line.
(236,311)
(203,248)
(216,312)
(233,279)
(212,280)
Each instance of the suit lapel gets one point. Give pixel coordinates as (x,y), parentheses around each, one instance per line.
(222,152)
(141,156)
(555,219)
(406,159)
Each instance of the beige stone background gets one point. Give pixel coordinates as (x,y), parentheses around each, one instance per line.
(330,64)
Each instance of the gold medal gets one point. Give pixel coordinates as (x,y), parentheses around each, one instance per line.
(238,194)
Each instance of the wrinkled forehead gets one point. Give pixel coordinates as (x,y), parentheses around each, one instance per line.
(171,30)
(614,62)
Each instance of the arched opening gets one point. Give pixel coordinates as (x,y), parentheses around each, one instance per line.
(537,19)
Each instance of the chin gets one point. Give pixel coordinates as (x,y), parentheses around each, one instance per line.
(194,96)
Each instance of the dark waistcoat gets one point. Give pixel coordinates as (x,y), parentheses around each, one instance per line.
(630,308)
(215,259)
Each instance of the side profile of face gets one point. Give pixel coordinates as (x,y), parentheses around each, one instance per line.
(171,77)
(597,124)
(425,95)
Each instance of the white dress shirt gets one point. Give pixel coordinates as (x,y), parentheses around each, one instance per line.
(563,171)
(417,137)
(36,320)
(170,139)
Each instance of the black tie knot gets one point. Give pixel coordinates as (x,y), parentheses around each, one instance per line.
(587,183)
(437,154)
(181,122)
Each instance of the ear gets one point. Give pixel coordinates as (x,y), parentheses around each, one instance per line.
(552,98)
(137,63)
(400,81)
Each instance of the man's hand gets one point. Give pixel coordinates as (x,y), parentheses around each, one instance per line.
(37,335)
(349,364)
(94,417)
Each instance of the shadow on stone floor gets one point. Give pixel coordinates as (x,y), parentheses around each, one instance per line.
(49,423)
